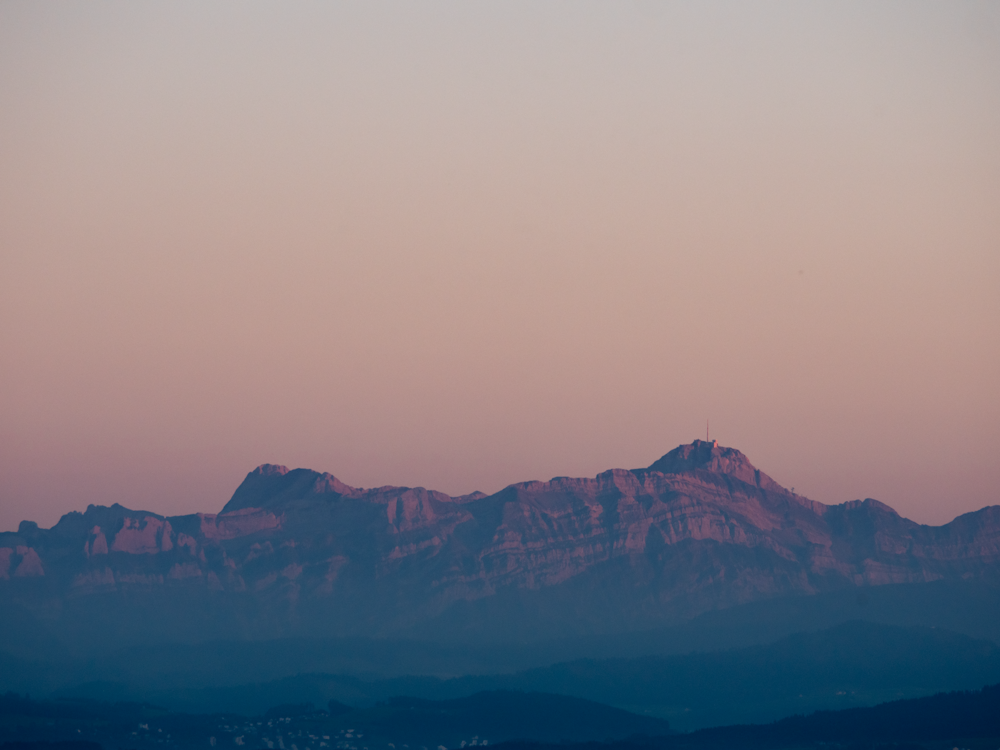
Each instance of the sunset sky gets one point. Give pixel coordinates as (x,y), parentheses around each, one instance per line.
(459,245)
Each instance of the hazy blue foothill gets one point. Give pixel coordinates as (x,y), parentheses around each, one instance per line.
(855,664)
(966,719)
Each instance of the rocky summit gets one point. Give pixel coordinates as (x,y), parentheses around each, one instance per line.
(297,552)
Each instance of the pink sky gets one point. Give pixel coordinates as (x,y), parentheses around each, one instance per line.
(461,244)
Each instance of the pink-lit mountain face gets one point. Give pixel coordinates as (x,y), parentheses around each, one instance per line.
(299,552)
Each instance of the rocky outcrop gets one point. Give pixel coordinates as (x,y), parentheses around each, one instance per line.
(20,562)
(298,551)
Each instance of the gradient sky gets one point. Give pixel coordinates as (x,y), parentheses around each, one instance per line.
(464,244)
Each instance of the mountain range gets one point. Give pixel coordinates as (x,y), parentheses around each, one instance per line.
(298,553)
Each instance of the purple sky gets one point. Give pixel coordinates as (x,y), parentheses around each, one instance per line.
(462,244)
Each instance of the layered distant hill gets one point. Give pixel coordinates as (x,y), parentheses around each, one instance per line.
(300,553)
(853,664)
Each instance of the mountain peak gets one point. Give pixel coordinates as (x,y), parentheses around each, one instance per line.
(270,470)
(272,485)
(707,455)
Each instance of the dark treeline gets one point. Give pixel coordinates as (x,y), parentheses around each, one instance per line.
(80,724)
(399,721)
(907,723)
(943,720)
(13,704)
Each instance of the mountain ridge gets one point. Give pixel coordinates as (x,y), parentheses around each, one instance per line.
(697,456)
(297,551)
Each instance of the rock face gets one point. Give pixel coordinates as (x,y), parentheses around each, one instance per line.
(299,552)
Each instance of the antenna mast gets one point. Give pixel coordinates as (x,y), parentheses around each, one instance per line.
(706,430)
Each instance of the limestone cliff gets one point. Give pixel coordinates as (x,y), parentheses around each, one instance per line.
(297,551)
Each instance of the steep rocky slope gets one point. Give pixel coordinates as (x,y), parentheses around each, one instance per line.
(300,552)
